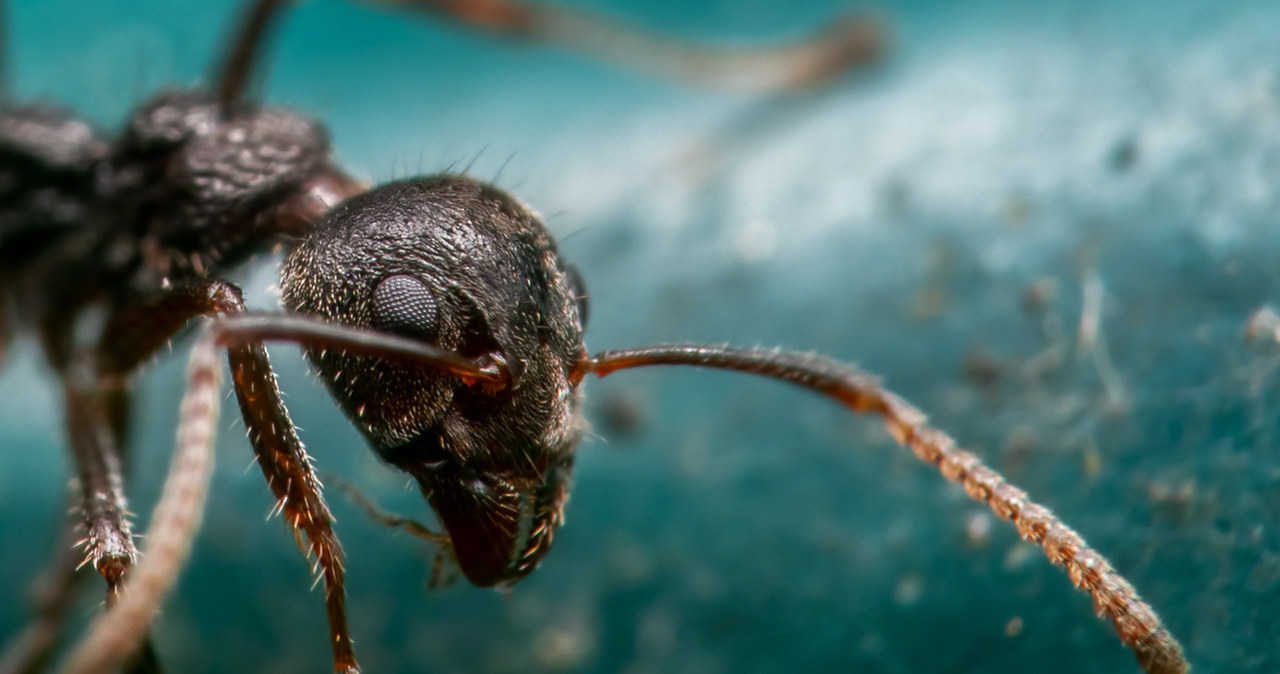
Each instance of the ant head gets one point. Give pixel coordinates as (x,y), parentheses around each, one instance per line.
(460,265)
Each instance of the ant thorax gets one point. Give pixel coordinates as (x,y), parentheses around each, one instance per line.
(206,186)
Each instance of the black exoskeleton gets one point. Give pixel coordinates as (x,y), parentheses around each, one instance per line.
(185,192)
(151,221)
(464,266)
(437,311)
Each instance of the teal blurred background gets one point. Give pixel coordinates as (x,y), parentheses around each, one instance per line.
(936,220)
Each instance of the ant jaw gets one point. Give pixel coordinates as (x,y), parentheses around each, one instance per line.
(498,531)
(482,520)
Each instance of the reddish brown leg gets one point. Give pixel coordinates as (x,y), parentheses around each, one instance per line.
(135,333)
(288,470)
(96,400)
(280,453)
(129,338)
(97,411)
(97,406)
(1113,597)
(846,43)
(109,537)
(96,420)
(115,637)
(275,440)
(31,650)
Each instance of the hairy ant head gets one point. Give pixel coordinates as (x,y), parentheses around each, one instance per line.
(462,266)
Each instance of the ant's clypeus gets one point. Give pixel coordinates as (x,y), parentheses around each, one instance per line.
(436,310)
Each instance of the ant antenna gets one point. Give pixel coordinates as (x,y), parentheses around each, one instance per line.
(1113,597)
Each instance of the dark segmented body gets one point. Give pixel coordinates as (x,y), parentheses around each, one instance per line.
(186,192)
(182,192)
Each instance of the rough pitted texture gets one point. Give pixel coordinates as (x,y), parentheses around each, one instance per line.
(496,467)
(184,191)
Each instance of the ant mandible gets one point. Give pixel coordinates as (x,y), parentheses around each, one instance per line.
(436,310)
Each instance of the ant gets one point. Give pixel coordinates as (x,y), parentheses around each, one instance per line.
(437,311)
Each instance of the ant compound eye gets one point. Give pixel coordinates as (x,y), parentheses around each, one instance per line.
(405,306)
(578,287)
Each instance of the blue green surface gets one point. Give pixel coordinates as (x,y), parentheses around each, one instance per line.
(898,219)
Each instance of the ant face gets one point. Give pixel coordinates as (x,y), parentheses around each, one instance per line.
(464,267)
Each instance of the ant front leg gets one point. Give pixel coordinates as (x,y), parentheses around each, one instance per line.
(96,414)
(97,402)
(845,44)
(96,418)
(132,335)
(280,453)
(288,470)
(96,450)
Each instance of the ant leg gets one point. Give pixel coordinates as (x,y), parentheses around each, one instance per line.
(843,44)
(266,411)
(846,43)
(289,473)
(232,78)
(96,424)
(109,540)
(136,333)
(279,451)
(96,420)
(113,638)
(130,337)
(97,410)
(444,567)
(1113,597)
